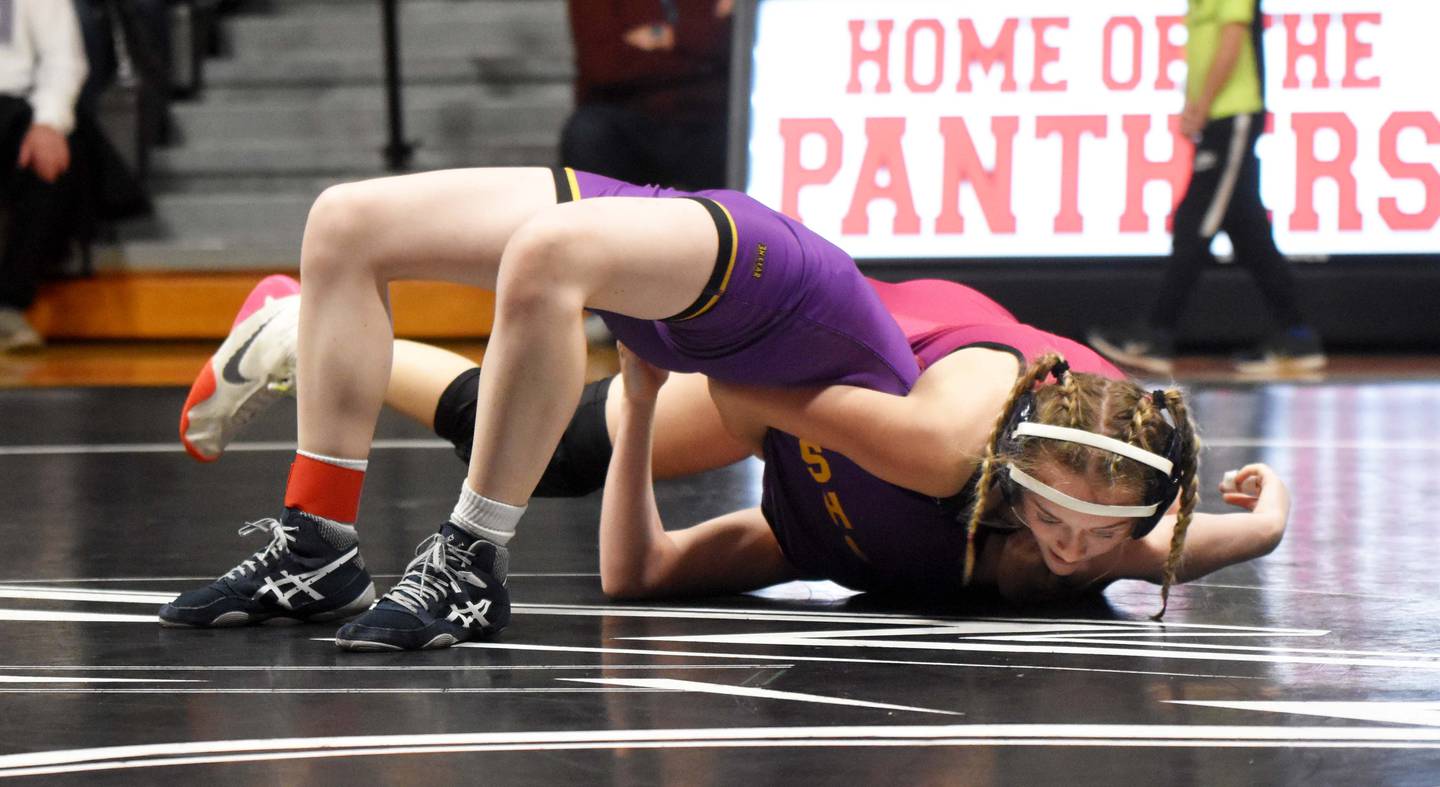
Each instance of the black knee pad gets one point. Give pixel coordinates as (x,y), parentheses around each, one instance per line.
(455,412)
(581,459)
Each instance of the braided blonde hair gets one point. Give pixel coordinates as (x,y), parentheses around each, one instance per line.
(1189,492)
(1027,380)
(1115,408)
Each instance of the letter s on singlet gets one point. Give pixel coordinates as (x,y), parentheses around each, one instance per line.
(819,468)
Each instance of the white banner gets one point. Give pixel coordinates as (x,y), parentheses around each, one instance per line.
(1044,128)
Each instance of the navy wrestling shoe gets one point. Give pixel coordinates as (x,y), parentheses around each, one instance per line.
(454,590)
(301,575)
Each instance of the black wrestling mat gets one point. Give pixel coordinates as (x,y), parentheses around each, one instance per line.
(1319,664)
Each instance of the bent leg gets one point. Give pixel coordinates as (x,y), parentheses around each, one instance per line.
(689,435)
(451,225)
(644,258)
(419,375)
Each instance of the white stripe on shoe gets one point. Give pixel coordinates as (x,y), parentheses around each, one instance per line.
(302,582)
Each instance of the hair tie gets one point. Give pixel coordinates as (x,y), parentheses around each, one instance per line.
(1157,398)
(1059,370)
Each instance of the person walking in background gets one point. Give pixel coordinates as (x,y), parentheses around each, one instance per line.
(42,66)
(1224,113)
(651,91)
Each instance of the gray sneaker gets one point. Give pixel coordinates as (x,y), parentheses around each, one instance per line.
(1137,347)
(16,334)
(1293,351)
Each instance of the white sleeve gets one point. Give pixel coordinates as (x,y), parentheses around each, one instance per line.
(61,65)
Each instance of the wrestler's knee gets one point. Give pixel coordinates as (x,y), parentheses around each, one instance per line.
(338,230)
(544,266)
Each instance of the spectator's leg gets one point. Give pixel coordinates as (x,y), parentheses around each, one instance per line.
(606,140)
(694,155)
(1250,231)
(17,285)
(1197,211)
(35,237)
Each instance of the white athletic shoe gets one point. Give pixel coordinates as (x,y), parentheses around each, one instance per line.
(16,333)
(254,367)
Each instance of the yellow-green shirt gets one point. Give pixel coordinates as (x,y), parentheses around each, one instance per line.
(1241,93)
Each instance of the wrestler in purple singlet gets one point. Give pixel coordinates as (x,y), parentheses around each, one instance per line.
(835,520)
(783,307)
(786,307)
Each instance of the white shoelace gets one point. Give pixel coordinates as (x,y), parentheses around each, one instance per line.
(281,537)
(282,385)
(430,576)
(274,388)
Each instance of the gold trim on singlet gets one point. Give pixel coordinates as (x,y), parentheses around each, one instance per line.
(567,188)
(724,261)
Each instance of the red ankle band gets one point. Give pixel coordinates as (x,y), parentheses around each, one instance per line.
(323,489)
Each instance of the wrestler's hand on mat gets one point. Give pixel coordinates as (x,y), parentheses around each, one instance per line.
(1258,489)
(642,380)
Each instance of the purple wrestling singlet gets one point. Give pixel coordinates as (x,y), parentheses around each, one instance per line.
(785,307)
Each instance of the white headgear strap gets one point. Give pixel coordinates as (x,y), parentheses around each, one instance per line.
(1031,429)
(1073,503)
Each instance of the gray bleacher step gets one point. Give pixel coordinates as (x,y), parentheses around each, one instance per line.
(302,184)
(348,67)
(299,104)
(429,114)
(365,9)
(273,219)
(349,156)
(180,254)
(494,28)
(373,94)
(313,7)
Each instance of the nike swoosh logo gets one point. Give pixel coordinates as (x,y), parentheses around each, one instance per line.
(231,373)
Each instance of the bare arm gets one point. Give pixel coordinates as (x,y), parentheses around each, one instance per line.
(638,557)
(928,441)
(1215,541)
(61,67)
(59,73)
(1227,54)
(689,435)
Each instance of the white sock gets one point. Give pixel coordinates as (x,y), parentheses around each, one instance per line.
(348,464)
(484,518)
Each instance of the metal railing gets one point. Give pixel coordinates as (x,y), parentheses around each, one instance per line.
(398,150)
